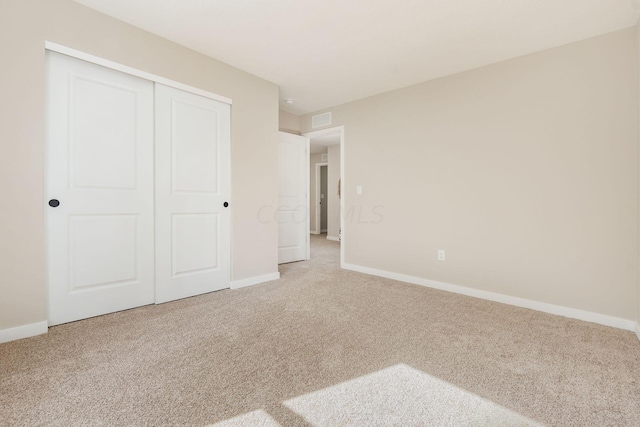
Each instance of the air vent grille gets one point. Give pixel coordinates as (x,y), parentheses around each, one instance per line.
(320,120)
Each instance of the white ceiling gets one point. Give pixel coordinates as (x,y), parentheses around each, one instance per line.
(327,52)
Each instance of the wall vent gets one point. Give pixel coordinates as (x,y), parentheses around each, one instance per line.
(325,157)
(320,120)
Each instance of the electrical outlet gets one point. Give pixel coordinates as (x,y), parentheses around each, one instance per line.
(440,254)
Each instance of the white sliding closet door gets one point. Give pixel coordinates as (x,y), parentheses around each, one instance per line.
(192,189)
(99,190)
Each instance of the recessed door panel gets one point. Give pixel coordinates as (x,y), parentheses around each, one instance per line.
(102,250)
(288,230)
(291,168)
(103,134)
(195,243)
(194,147)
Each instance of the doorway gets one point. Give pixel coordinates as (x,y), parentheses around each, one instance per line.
(323,199)
(320,198)
(327,154)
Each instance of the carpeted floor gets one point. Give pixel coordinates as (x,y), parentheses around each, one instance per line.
(323,346)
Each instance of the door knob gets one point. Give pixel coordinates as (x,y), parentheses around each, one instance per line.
(54,203)
(226,204)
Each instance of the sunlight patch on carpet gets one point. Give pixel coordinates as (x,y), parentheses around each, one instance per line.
(257,418)
(401,395)
(398,395)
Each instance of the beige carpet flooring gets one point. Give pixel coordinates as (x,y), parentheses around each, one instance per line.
(323,346)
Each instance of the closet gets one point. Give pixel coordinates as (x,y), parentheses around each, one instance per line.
(137,191)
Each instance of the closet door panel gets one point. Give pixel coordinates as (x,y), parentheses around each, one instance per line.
(192,186)
(99,190)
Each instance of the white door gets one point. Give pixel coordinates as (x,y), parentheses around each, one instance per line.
(293,202)
(192,194)
(99,168)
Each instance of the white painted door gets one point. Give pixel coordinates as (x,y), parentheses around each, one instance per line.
(192,187)
(99,167)
(293,202)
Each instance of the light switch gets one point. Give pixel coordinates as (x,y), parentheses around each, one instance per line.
(359,190)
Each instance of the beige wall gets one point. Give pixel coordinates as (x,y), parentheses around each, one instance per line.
(333,201)
(289,122)
(24,27)
(524,171)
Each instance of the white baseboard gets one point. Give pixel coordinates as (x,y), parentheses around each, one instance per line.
(236,284)
(24,331)
(573,313)
(313,232)
(335,239)
(638,330)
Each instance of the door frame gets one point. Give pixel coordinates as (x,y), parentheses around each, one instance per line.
(337,130)
(318,224)
(55,47)
(154,78)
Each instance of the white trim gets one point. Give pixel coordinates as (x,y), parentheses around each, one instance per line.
(55,47)
(318,223)
(638,330)
(573,313)
(335,239)
(256,280)
(24,331)
(343,225)
(314,232)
